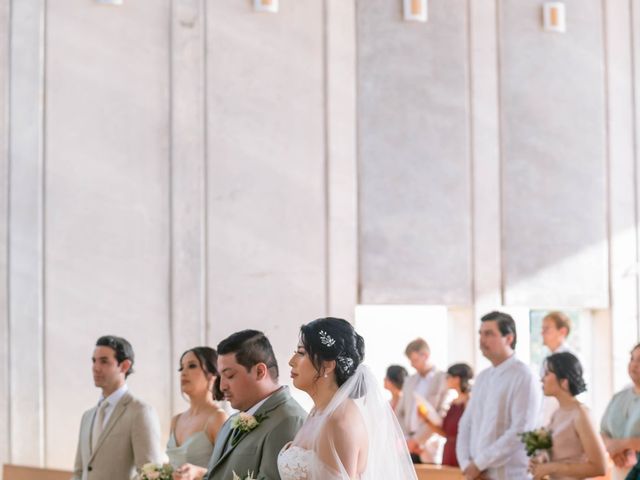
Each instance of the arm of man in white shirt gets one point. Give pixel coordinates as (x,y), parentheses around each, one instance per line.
(463,451)
(524,411)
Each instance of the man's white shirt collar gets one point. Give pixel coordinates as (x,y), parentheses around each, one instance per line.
(115,397)
(255,408)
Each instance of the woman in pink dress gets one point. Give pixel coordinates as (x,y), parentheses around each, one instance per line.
(577,451)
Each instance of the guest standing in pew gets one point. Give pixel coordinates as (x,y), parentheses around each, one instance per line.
(121,433)
(505,402)
(427,387)
(459,378)
(620,426)
(578,451)
(393,382)
(194,432)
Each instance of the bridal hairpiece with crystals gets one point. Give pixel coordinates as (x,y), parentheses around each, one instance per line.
(326,339)
(345,363)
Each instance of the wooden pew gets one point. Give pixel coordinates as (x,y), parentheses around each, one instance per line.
(16,472)
(438,472)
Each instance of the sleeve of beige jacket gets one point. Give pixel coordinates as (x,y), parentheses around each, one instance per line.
(277,438)
(145,437)
(78,466)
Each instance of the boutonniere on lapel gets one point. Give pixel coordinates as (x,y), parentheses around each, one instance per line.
(248,477)
(242,424)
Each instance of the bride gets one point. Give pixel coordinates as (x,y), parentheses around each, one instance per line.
(351,433)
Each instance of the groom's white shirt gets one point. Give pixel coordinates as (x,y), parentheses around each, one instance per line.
(113,400)
(505,402)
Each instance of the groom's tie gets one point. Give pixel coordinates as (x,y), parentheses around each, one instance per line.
(98,424)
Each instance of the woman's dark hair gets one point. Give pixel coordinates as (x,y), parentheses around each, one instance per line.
(207,358)
(121,347)
(251,347)
(396,375)
(333,339)
(566,366)
(464,372)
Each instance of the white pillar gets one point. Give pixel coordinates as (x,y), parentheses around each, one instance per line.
(341,158)
(26,232)
(188,184)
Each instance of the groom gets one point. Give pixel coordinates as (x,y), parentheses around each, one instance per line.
(269,417)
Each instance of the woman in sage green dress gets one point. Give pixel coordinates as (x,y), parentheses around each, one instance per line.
(194,431)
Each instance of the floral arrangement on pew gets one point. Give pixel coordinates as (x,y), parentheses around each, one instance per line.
(538,444)
(248,477)
(152,471)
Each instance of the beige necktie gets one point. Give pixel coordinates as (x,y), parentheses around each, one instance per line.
(98,424)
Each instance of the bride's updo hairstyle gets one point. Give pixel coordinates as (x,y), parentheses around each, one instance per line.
(333,339)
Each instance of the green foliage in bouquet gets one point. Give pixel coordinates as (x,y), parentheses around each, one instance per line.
(536,440)
(151,471)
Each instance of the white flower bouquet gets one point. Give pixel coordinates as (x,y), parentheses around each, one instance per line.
(152,471)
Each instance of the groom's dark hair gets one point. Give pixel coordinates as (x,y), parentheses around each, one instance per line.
(121,347)
(251,348)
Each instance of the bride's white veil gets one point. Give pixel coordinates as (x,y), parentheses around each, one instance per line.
(387,457)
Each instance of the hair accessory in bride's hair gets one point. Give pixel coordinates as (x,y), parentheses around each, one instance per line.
(326,339)
(345,363)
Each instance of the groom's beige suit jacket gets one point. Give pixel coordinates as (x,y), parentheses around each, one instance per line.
(257,451)
(130,439)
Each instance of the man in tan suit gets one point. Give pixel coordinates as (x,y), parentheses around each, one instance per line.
(428,386)
(249,380)
(121,433)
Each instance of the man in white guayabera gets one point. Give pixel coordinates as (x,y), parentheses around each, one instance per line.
(505,402)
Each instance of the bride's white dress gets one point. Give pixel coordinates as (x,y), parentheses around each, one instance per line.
(387,458)
(294,463)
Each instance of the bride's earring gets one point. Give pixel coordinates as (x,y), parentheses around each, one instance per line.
(326,376)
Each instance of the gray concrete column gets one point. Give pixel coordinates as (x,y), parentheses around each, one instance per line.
(485,152)
(26,240)
(188,183)
(623,236)
(5,439)
(342,197)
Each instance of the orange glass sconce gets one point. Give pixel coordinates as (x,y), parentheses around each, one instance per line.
(553,17)
(270,6)
(415,10)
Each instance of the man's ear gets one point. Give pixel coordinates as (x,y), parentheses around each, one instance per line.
(261,371)
(125,365)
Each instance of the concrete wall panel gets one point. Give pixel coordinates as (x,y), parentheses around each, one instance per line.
(553,126)
(107,207)
(266,170)
(414,156)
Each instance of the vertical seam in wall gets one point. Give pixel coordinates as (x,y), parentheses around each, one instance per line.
(8,227)
(204,319)
(327,155)
(472,156)
(500,150)
(170,282)
(634,123)
(43,186)
(357,186)
(607,159)
(607,152)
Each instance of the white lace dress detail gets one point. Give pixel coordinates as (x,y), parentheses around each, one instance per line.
(294,463)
